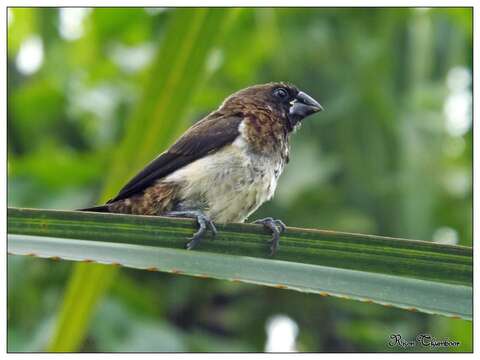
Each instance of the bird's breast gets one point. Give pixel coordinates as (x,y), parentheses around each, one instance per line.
(229,184)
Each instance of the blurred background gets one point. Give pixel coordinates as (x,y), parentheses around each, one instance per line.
(392,155)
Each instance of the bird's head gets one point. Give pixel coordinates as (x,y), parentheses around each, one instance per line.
(281,98)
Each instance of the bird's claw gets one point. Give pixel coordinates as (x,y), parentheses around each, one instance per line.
(276,227)
(204,223)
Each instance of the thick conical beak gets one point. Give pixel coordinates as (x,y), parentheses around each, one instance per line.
(302,106)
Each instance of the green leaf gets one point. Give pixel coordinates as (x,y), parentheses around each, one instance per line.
(176,74)
(408,274)
(177,71)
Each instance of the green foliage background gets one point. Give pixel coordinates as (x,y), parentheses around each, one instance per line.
(380,160)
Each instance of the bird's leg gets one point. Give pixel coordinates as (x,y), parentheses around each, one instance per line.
(203,221)
(276,227)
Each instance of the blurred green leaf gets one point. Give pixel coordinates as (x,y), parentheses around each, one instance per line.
(25,20)
(178,69)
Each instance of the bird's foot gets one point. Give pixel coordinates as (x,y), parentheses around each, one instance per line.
(204,223)
(276,227)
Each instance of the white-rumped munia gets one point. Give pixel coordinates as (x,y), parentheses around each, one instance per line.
(223,167)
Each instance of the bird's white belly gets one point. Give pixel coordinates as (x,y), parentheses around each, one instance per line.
(228,185)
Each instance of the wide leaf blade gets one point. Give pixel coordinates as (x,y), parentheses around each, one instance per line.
(408,274)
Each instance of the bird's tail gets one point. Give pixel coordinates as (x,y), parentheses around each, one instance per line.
(100,208)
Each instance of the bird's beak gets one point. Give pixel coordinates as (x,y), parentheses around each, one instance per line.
(302,106)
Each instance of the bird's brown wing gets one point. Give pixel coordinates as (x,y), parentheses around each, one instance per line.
(206,136)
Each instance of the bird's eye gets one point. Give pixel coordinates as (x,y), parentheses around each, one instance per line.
(280,93)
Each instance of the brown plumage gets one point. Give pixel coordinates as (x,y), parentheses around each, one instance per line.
(154,200)
(225,166)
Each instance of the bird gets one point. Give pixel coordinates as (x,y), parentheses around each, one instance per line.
(225,166)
